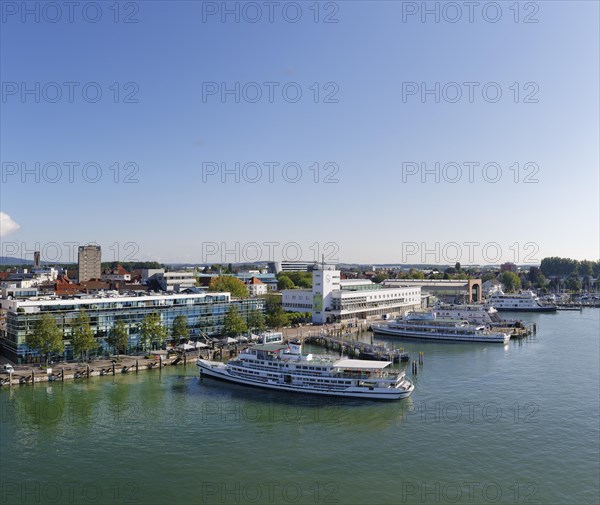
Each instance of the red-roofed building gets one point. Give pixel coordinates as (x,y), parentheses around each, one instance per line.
(117,274)
(256,287)
(63,286)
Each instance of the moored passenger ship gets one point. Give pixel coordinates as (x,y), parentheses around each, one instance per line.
(427,326)
(285,368)
(527,301)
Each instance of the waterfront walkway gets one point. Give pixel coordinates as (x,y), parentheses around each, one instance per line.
(29,374)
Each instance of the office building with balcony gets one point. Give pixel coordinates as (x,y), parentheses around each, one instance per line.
(205,313)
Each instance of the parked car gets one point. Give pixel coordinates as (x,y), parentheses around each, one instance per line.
(7,369)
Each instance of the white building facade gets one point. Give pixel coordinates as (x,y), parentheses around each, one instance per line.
(334,300)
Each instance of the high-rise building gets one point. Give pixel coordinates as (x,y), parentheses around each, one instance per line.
(36,260)
(89,259)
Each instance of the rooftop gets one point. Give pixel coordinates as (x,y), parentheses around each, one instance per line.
(356,364)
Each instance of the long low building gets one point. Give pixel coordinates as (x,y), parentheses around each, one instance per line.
(205,312)
(453,290)
(334,300)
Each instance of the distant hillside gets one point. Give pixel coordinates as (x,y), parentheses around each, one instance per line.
(11,260)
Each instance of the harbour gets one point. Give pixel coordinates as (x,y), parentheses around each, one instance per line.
(99,425)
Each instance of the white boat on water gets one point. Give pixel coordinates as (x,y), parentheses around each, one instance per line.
(425,325)
(285,368)
(526,301)
(473,313)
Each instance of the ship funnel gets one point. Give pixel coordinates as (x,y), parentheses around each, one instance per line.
(295,347)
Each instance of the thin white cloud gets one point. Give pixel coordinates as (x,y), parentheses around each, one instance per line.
(7,225)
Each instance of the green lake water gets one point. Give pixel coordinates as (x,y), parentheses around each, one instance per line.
(485,424)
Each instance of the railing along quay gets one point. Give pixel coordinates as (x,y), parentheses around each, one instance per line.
(360,350)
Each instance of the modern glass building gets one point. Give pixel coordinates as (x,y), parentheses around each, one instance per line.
(205,313)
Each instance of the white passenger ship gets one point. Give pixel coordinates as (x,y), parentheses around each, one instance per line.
(527,301)
(473,313)
(285,368)
(427,326)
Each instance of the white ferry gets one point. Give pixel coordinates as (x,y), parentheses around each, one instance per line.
(526,301)
(427,326)
(285,368)
(473,313)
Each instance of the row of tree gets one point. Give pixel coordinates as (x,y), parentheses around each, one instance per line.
(291,280)
(565,267)
(536,279)
(47,337)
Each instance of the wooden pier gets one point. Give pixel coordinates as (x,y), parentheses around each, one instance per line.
(356,349)
(518,331)
(24,375)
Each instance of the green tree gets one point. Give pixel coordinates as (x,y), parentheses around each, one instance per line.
(278,318)
(573,282)
(541,282)
(272,301)
(46,337)
(180,329)
(457,266)
(416,274)
(234,324)
(379,278)
(118,337)
(82,336)
(228,284)
(256,321)
(300,279)
(152,330)
(488,276)
(284,282)
(510,280)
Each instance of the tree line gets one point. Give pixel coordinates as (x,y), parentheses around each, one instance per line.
(48,338)
(565,267)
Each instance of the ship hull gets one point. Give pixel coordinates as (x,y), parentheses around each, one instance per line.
(393,332)
(529,309)
(220,372)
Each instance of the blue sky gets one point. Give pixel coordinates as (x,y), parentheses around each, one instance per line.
(374,212)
